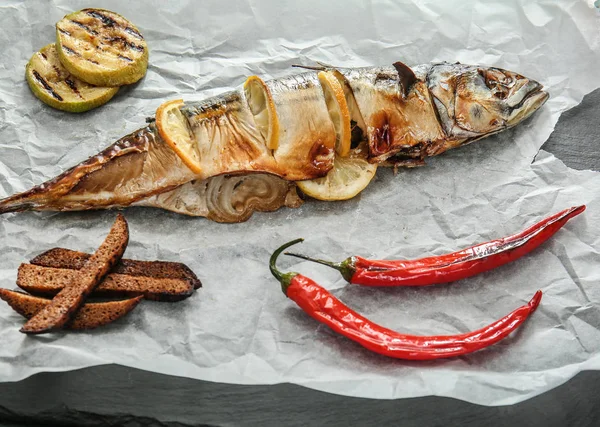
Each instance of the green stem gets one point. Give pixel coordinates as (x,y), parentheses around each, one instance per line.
(284,278)
(346,267)
(336,265)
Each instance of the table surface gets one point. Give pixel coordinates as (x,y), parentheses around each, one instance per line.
(116,395)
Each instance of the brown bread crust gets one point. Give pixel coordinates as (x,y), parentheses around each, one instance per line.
(90,316)
(48,281)
(74,260)
(66,303)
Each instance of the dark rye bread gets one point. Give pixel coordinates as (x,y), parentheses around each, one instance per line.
(66,303)
(74,260)
(48,281)
(90,316)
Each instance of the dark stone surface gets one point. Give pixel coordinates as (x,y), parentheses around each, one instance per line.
(117,396)
(112,395)
(576,137)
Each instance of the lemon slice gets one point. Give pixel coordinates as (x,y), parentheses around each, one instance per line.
(338,111)
(54,85)
(174,130)
(101,47)
(262,107)
(357,123)
(349,176)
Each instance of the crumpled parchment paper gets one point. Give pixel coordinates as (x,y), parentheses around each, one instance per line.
(239,327)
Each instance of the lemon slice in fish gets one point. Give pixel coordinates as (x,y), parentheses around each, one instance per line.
(260,102)
(338,111)
(54,85)
(349,176)
(357,123)
(101,47)
(174,130)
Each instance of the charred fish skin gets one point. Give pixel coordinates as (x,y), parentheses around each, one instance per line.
(406,114)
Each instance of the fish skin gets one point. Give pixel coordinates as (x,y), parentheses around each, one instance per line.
(406,118)
(229,142)
(397,119)
(438,112)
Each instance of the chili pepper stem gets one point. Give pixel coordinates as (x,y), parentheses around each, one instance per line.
(284,278)
(346,268)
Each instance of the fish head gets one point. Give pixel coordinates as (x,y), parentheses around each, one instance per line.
(475,101)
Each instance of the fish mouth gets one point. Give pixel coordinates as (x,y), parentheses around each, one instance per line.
(537,93)
(530,103)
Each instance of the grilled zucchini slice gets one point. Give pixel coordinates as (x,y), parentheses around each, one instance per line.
(101,47)
(54,85)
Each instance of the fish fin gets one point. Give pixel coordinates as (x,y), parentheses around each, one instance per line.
(321,67)
(327,66)
(407,77)
(15,204)
(310,67)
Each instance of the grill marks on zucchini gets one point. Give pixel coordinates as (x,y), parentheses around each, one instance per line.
(55,86)
(85,27)
(106,20)
(73,87)
(101,47)
(107,49)
(74,53)
(134,33)
(70,51)
(44,83)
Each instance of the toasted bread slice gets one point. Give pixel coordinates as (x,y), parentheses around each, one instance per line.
(90,316)
(66,303)
(48,281)
(74,260)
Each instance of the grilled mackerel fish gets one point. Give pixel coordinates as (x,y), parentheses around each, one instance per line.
(251,145)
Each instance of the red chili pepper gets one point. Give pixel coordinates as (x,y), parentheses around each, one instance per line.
(450,267)
(318,303)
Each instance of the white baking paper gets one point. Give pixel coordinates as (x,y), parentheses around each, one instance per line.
(239,328)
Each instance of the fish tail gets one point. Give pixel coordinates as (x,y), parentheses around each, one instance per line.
(18,203)
(98,182)
(52,195)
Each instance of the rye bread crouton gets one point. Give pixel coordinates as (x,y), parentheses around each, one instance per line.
(74,260)
(89,316)
(66,303)
(48,281)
